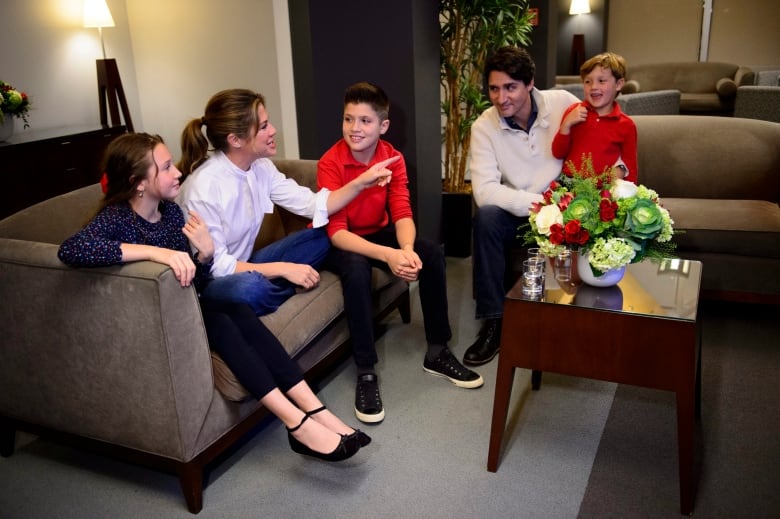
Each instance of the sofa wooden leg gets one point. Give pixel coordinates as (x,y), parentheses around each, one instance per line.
(7,438)
(191,481)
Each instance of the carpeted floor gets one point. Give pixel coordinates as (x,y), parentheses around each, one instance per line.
(576,448)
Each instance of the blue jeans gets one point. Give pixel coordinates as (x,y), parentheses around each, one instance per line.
(309,247)
(495,233)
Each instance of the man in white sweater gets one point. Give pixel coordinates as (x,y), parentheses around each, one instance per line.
(511,164)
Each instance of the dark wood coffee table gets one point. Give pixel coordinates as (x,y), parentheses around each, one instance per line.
(642,332)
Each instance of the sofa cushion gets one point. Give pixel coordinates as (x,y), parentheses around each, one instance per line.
(744,227)
(296,323)
(700,102)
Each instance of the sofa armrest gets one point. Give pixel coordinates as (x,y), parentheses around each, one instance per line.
(744,76)
(117,354)
(726,87)
(631,87)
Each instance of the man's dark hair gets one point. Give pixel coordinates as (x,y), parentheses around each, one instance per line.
(513,61)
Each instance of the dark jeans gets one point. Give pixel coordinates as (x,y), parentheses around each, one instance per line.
(354,270)
(495,233)
(309,246)
(251,351)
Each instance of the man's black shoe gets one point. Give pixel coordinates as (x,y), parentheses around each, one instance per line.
(486,346)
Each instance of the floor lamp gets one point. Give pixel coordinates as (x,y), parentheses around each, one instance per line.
(97,14)
(578,40)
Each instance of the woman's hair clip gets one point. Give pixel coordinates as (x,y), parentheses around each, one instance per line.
(104,182)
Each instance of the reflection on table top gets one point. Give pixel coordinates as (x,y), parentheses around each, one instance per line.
(666,288)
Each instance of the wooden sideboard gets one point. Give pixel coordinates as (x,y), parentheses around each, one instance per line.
(37,165)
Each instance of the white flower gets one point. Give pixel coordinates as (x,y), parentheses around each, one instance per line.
(547,216)
(623,189)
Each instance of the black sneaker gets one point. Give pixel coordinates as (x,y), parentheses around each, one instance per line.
(368,403)
(447,366)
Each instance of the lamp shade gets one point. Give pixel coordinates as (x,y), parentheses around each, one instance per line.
(97,14)
(579,7)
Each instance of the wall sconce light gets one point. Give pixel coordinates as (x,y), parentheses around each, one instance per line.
(97,14)
(579,7)
(578,40)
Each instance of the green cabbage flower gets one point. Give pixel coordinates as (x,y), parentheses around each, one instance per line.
(644,220)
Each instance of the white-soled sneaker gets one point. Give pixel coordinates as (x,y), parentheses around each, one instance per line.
(447,366)
(368,403)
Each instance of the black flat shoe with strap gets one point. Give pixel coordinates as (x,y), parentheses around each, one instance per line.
(346,448)
(362,437)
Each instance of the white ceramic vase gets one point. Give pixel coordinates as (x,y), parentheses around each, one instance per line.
(608,279)
(6,127)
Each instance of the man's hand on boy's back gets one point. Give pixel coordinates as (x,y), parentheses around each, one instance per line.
(378,174)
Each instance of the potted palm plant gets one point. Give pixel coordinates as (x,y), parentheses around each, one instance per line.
(470,30)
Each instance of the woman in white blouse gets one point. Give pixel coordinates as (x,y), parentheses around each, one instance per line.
(234,187)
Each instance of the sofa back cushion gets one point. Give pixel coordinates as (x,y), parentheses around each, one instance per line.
(688,156)
(687,77)
(55,219)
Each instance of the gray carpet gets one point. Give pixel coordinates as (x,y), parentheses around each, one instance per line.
(569,449)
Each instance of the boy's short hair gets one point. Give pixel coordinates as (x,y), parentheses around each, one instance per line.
(369,93)
(514,62)
(608,61)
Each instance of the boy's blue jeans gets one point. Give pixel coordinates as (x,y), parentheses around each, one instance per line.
(495,232)
(309,246)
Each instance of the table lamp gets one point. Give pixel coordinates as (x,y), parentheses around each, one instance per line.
(578,40)
(97,14)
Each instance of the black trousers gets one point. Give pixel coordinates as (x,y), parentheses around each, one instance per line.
(354,270)
(250,350)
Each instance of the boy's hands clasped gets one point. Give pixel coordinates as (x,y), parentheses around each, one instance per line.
(405,264)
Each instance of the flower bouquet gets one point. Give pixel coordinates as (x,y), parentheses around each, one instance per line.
(616,222)
(13,102)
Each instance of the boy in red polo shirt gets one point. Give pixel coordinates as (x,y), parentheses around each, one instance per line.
(597,126)
(377,229)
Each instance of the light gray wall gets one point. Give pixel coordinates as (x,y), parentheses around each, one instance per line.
(172,56)
(744,32)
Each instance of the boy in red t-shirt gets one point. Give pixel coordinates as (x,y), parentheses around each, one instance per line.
(377,229)
(597,126)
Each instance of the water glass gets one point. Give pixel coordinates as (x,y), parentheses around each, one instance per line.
(562,266)
(533,277)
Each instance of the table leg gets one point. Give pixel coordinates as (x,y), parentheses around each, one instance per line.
(686,412)
(505,375)
(536,379)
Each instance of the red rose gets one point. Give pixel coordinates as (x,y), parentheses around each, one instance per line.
(607,210)
(556,234)
(575,233)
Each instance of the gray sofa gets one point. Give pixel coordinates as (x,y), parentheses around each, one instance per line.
(654,102)
(720,179)
(705,87)
(116,359)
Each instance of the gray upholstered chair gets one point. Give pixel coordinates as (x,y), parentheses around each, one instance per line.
(575,88)
(758,102)
(655,102)
(768,77)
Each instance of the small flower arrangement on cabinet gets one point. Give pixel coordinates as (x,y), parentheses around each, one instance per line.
(13,103)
